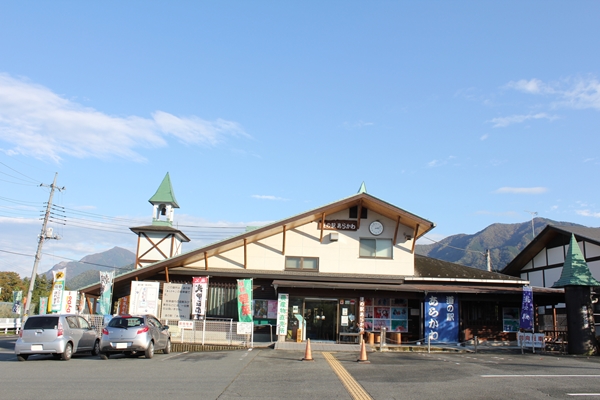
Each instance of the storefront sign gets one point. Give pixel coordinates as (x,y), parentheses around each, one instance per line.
(361,314)
(244,328)
(200,294)
(441,318)
(340,225)
(176,301)
(124,305)
(527,339)
(282,313)
(144,298)
(69,302)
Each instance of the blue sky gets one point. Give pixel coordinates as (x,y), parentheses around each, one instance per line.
(464,113)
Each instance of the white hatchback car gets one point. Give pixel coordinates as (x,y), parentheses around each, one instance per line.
(134,335)
(61,335)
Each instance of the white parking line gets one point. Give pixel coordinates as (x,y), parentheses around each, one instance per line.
(540,376)
(174,355)
(583,394)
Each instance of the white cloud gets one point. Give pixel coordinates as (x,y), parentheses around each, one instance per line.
(588,213)
(42,124)
(357,125)
(522,190)
(570,92)
(268,197)
(502,122)
(484,137)
(439,163)
(534,86)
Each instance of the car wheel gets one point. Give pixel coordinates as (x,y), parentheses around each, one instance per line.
(167,348)
(150,350)
(22,357)
(96,349)
(66,356)
(104,356)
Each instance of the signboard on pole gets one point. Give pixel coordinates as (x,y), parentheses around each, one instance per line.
(526,320)
(244,292)
(282,313)
(176,301)
(144,298)
(199,296)
(441,318)
(57,290)
(69,302)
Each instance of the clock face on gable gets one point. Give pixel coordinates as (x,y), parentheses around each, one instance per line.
(376,228)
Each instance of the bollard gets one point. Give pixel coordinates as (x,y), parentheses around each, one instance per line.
(383,334)
(475,341)
(429,344)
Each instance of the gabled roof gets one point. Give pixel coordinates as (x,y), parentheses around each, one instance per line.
(419,225)
(575,271)
(165,193)
(551,235)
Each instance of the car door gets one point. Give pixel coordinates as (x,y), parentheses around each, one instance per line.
(159,334)
(73,331)
(88,335)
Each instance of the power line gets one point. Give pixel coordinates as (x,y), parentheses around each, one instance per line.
(456,248)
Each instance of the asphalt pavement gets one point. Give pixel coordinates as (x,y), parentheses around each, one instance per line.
(279,374)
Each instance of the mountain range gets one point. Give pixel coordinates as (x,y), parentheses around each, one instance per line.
(86,271)
(504,242)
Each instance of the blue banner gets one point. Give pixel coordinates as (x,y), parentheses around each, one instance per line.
(441,318)
(526,320)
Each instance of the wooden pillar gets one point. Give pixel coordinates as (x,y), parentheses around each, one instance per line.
(414,239)
(322,226)
(205,261)
(167,274)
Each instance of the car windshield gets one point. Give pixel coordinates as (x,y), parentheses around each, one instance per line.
(42,323)
(125,322)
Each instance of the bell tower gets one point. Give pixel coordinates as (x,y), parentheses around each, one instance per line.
(160,240)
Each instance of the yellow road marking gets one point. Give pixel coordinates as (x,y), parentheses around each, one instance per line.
(356,391)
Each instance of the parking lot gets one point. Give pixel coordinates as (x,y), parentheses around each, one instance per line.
(267,373)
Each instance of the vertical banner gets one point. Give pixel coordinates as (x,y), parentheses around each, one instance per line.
(361,314)
(58,286)
(81,305)
(244,295)
(124,305)
(144,298)
(69,302)
(176,301)
(105,300)
(282,313)
(43,305)
(526,320)
(17,301)
(199,296)
(441,318)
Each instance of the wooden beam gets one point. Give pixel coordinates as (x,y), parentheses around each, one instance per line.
(137,254)
(359,213)
(245,254)
(396,231)
(322,226)
(167,274)
(205,261)
(283,244)
(89,303)
(414,239)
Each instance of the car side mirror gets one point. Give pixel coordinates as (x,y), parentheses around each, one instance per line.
(92,327)
(165,327)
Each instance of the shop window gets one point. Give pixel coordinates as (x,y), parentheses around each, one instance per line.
(302,263)
(376,248)
(354,212)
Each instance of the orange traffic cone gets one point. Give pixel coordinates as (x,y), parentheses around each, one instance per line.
(308,352)
(363,354)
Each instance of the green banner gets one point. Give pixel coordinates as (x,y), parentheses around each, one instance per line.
(244,295)
(106,282)
(17,302)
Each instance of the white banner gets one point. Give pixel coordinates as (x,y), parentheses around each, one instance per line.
(282,313)
(176,301)
(57,290)
(200,293)
(69,302)
(528,339)
(144,298)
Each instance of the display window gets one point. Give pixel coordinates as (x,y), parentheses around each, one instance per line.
(391,313)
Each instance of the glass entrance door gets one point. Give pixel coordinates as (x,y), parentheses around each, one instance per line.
(321,319)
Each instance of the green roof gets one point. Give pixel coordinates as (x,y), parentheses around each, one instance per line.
(575,271)
(164,194)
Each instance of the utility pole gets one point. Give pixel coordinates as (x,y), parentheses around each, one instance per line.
(43,236)
(533,214)
(489,260)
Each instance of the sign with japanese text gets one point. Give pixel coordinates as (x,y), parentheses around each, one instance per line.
(17,301)
(105,300)
(199,296)
(58,286)
(69,302)
(361,314)
(526,321)
(144,298)
(244,295)
(282,313)
(340,225)
(441,318)
(528,339)
(124,305)
(43,305)
(176,301)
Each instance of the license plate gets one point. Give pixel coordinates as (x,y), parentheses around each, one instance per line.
(121,345)
(37,347)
